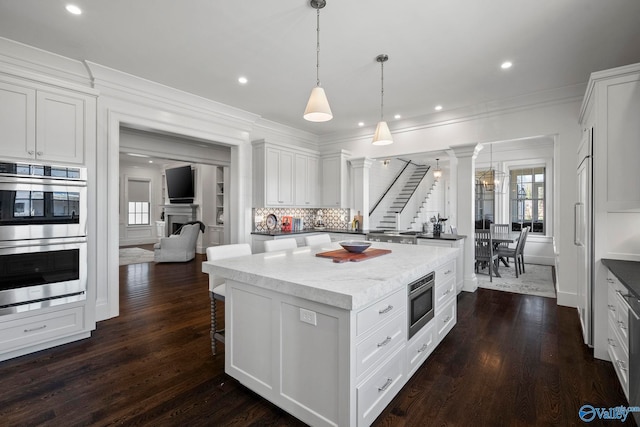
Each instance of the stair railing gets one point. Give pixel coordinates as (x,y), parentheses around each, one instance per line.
(416,187)
(390,186)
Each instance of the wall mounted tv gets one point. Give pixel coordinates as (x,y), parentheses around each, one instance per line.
(180,184)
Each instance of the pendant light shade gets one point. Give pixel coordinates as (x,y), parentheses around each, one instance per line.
(383,134)
(318,109)
(437,172)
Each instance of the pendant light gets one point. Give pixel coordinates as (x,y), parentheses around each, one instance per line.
(493,180)
(318,109)
(437,172)
(382,136)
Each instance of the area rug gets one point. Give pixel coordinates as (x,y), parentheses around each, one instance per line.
(135,256)
(538,280)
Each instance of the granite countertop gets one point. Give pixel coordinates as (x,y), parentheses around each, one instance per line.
(350,285)
(628,272)
(309,230)
(442,236)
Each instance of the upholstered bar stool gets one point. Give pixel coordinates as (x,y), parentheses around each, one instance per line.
(217,288)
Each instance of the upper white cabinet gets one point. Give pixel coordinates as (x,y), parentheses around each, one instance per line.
(284,176)
(43,125)
(306,180)
(335,180)
(610,111)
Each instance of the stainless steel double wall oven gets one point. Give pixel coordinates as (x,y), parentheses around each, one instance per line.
(43,237)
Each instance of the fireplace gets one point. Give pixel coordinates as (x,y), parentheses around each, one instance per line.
(178,214)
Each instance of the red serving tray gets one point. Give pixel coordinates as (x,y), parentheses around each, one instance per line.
(342,255)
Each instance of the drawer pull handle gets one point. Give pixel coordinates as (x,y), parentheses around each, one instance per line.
(386,310)
(622,325)
(447,319)
(385,342)
(621,365)
(447,272)
(386,385)
(448,291)
(423,348)
(35,329)
(30,151)
(611,307)
(611,342)
(610,280)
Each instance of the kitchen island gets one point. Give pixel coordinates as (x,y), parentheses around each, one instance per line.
(328,342)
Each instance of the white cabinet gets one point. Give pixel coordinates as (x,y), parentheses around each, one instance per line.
(618,331)
(43,125)
(284,176)
(335,175)
(306,180)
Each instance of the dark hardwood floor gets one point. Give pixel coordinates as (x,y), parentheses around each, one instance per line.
(511,360)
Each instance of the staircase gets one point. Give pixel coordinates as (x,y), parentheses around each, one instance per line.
(428,208)
(390,218)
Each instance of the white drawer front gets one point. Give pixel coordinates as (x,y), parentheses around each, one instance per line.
(446,319)
(40,328)
(380,343)
(420,347)
(619,358)
(445,292)
(380,311)
(445,271)
(622,321)
(376,392)
(612,303)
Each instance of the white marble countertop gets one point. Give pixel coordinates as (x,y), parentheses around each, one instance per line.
(348,285)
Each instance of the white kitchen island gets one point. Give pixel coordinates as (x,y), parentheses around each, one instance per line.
(327,342)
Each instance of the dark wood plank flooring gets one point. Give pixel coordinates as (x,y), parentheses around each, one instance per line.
(511,360)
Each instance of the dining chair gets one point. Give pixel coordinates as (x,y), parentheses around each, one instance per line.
(280,244)
(317,239)
(217,284)
(485,253)
(517,252)
(502,229)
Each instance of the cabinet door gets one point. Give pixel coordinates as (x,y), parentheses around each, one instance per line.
(306,180)
(331,182)
(60,128)
(17,121)
(285,179)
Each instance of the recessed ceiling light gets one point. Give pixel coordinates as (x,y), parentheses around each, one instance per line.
(506,65)
(242,80)
(438,107)
(73,9)
(360,124)
(397,116)
(150,161)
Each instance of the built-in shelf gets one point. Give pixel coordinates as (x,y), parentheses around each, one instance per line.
(220,195)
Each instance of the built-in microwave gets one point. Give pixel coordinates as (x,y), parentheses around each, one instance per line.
(420,303)
(42,201)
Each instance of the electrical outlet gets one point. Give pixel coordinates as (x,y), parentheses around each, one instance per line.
(308,316)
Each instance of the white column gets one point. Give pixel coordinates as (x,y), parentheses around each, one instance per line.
(466,155)
(360,170)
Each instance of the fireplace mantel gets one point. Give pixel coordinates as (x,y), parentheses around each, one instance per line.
(178,213)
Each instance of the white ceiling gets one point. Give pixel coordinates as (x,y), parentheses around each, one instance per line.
(440,51)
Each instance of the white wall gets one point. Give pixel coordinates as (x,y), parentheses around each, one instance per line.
(139,234)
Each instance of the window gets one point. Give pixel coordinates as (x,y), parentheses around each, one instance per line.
(138,202)
(527,199)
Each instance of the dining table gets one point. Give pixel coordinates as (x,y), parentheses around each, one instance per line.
(498,237)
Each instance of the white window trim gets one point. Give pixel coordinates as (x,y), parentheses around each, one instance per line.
(126,201)
(503,202)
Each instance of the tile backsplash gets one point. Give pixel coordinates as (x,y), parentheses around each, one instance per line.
(332,218)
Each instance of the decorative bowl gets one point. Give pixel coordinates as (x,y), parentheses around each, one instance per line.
(355,246)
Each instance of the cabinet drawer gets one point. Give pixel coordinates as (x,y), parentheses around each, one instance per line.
(445,271)
(420,347)
(444,293)
(619,358)
(40,328)
(622,321)
(612,303)
(376,392)
(380,343)
(380,311)
(446,319)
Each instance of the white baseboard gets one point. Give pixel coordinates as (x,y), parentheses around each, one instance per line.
(567,299)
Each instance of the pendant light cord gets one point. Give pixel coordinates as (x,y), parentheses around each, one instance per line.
(381,90)
(318,47)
